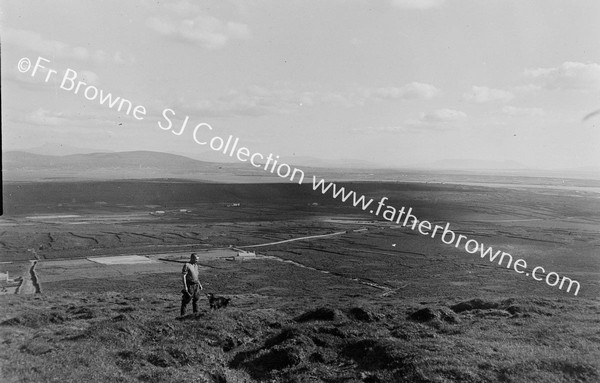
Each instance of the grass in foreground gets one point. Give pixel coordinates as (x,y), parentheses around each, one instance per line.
(112,337)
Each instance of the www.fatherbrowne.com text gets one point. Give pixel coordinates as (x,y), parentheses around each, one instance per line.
(405,218)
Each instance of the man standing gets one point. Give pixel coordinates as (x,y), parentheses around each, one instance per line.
(191,284)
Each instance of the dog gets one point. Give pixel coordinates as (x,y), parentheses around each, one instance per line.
(217,302)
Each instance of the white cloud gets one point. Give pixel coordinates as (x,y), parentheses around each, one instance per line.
(39,83)
(258,101)
(356,41)
(414,90)
(89,77)
(417,4)
(522,112)
(77,118)
(381,129)
(483,94)
(26,81)
(525,89)
(204,30)
(254,101)
(437,120)
(52,48)
(443,116)
(45,118)
(123,58)
(567,76)
(183,7)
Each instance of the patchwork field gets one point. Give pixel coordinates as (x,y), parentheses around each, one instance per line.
(332,293)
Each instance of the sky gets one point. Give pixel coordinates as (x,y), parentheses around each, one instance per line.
(389,82)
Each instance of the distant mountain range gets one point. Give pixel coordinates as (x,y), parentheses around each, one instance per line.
(24,166)
(475,164)
(212,156)
(56,149)
(119,160)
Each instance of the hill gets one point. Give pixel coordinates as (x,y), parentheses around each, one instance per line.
(57,149)
(133,336)
(23,166)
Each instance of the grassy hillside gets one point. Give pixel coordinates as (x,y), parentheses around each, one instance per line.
(132,337)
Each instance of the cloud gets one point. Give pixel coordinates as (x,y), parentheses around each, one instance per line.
(254,101)
(39,83)
(25,80)
(89,77)
(64,119)
(58,49)
(443,116)
(412,91)
(567,76)
(259,101)
(526,89)
(204,30)
(183,7)
(522,112)
(123,58)
(45,118)
(381,129)
(356,41)
(417,4)
(437,120)
(482,94)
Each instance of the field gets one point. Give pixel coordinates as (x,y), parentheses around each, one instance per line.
(368,301)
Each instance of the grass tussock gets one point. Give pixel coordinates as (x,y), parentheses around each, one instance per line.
(116,338)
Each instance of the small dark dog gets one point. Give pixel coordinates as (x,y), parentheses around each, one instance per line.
(217,302)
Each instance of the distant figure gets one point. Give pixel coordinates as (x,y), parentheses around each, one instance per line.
(191,284)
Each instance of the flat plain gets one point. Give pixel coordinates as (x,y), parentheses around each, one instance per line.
(321,290)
